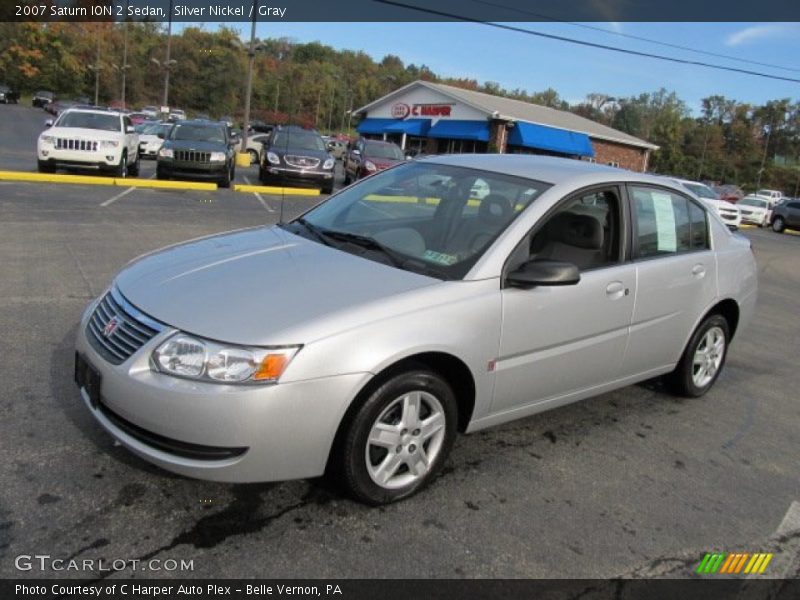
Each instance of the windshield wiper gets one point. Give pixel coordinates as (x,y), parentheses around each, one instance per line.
(397,259)
(312,229)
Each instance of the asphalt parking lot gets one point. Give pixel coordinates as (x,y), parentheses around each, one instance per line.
(634,482)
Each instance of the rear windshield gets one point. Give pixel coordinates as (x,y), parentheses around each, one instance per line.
(86,120)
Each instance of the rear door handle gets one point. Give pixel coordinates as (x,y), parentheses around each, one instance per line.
(699,271)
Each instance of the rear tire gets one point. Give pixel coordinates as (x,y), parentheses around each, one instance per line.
(399,438)
(703,358)
(778,225)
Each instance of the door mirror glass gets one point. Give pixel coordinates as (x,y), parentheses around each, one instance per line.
(356,152)
(544,272)
(48,123)
(129,129)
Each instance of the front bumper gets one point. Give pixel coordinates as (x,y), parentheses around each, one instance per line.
(97,159)
(754,218)
(299,176)
(149,150)
(272,433)
(194,170)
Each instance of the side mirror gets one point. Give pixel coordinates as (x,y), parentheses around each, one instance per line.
(48,123)
(544,272)
(160,135)
(356,152)
(129,129)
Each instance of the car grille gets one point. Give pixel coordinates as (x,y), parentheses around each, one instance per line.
(192,156)
(133,329)
(70,144)
(302,162)
(747,212)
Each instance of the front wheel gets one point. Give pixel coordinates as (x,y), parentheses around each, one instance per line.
(400,437)
(253,157)
(121,169)
(134,168)
(327,189)
(45,167)
(702,359)
(225,182)
(778,225)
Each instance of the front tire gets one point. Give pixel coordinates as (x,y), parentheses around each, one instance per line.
(399,439)
(253,157)
(134,168)
(44,167)
(225,182)
(121,169)
(778,225)
(702,359)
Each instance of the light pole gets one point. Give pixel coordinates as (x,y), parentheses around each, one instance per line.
(251,53)
(330,109)
(167,62)
(97,67)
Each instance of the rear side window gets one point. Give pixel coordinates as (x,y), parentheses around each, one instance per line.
(667,223)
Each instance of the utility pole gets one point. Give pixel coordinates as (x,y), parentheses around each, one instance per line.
(764,157)
(96,68)
(251,53)
(167,65)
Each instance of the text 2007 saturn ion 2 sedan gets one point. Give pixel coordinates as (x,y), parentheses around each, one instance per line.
(358,339)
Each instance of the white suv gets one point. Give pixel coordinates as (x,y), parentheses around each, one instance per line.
(729,213)
(90,138)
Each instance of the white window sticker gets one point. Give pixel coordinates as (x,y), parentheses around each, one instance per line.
(665,222)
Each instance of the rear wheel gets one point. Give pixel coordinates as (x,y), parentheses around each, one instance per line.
(399,439)
(702,359)
(778,225)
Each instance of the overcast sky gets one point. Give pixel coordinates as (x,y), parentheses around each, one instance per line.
(520,60)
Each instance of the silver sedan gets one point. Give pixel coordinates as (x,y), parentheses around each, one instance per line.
(360,338)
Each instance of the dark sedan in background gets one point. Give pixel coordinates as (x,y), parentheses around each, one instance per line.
(299,157)
(43,98)
(197,150)
(366,157)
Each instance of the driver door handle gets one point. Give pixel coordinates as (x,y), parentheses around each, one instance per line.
(616,289)
(699,271)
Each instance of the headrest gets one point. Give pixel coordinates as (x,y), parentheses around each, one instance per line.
(495,208)
(581,231)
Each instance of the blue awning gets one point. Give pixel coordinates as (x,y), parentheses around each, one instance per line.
(375,126)
(550,138)
(410,126)
(460,130)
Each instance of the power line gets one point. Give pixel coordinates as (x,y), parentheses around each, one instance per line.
(636,37)
(589,44)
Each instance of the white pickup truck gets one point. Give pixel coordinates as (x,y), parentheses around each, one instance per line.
(89,138)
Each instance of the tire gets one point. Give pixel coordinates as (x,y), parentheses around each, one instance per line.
(121,170)
(133,170)
(263,177)
(693,380)
(45,167)
(379,474)
(347,180)
(253,157)
(225,182)
(778,225)
(327,189)
(161,174)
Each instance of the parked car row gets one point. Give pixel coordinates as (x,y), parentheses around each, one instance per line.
(8,95)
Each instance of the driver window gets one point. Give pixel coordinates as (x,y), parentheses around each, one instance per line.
(585,231)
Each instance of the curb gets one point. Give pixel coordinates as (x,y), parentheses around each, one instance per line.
(274,191)
(113,181)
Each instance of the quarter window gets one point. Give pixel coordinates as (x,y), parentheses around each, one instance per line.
(667,223)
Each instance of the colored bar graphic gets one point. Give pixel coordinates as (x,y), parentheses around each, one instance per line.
(733,563)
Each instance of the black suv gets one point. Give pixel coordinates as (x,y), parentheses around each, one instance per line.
(197,150)
(297,156)
(7,95)
(786,215)
(43,98)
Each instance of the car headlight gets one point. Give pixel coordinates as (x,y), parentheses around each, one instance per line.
(109,144)
(328,164)
(166,153)
(273,158)
(370,166)
(217,157)
(195,358)
(48,139)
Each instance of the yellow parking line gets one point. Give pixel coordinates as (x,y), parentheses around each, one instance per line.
(275,191)
(94,180)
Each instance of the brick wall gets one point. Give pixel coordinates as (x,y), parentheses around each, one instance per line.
(628,157)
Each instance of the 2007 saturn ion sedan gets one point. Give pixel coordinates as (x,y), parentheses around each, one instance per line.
(358,339)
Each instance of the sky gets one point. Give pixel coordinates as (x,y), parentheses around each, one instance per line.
(517,60)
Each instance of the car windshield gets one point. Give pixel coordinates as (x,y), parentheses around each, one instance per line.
(754,202)
(383,151)
(197,133)
(421,217)
(701,190)
(298,141)
(89,120)
(154,128)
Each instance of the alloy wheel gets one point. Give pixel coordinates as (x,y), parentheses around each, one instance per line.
(708,357)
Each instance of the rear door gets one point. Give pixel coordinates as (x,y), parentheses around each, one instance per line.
(675,274)
(793,214)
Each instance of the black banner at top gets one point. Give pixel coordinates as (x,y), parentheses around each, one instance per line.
(399,10)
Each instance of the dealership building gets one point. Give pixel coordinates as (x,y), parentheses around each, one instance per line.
(440,119)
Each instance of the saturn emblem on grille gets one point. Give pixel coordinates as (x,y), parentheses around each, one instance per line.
(111,326)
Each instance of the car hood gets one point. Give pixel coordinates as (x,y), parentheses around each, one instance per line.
(81,133)
(146,137)
(196,145)
(255,286)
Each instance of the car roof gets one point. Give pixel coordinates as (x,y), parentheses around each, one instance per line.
(548,169)
(200,122)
